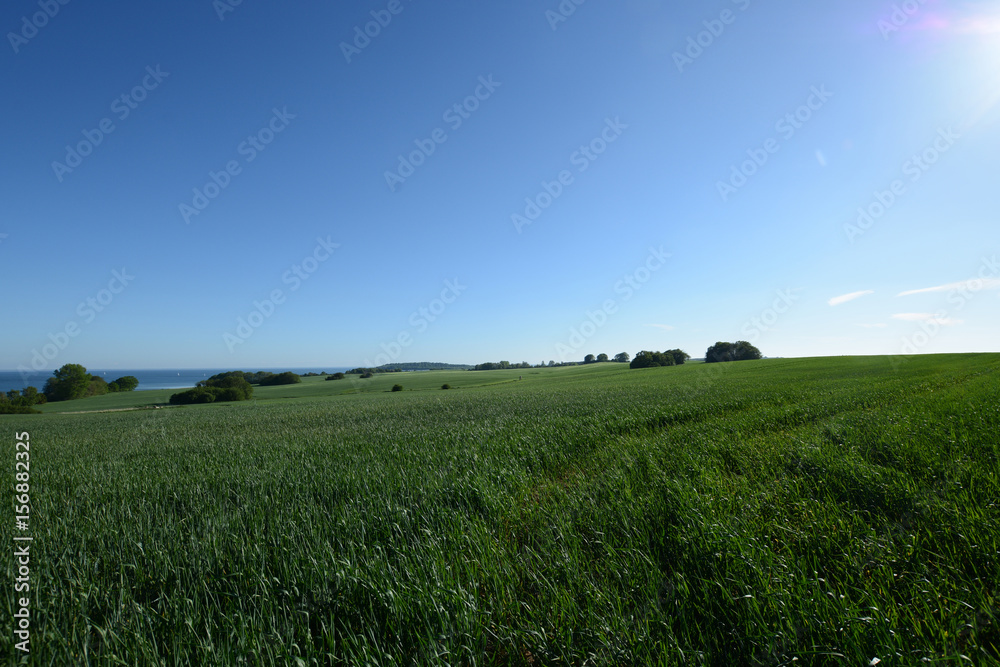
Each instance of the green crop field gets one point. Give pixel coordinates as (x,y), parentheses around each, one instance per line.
(839,511)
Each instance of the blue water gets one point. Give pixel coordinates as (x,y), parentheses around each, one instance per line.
(148,379)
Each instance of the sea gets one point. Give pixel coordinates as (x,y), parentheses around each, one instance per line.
(148,379)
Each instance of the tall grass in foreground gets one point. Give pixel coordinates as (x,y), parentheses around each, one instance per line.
(829,510)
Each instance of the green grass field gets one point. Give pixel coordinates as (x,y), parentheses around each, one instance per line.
(826,511)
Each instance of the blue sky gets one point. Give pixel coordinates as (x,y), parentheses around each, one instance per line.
(262,185)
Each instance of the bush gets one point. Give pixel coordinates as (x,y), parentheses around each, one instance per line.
(279,379)
(192,396)
(235,392)
(367,375)
(236,381)
(235,378)
(230,394)
(6,408)
(397,387)
(25,399)
(446,386)
(335,376)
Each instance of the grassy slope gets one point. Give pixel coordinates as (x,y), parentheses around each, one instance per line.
(310,387)
(717,514)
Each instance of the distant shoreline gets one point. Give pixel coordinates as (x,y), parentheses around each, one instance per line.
(150,379)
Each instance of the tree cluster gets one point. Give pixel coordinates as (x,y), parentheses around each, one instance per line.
(371,371)
(232,386)
(273,380)
(67,383)
(124,383)
(425,366)
(738,351)
(16,402)
(262,378)
(649,359)
(72,381)
(499,366)
(335,376)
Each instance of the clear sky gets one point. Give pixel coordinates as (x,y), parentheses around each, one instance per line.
(474,181)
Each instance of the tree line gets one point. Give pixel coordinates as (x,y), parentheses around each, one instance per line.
(72,381)
(68,383)
(232,386)
(720,352)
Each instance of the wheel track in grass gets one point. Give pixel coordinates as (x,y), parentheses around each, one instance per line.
(767,421)
(553,489)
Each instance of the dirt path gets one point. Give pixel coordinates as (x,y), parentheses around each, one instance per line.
(88,412)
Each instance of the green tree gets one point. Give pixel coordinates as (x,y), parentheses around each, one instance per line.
(622,357)
(589,359)
(68,383)
(744,351)
(602,357)
(648,359)
(281,378)
(397,387)
(124,383)
(680,356)
(720,352)
(30,396)
(97,386)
